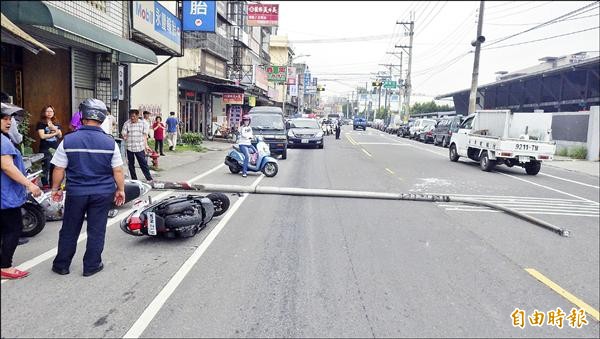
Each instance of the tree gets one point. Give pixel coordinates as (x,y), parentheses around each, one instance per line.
(428,107)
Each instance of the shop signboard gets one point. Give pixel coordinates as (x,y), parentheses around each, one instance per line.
(293,90)
(199,16)
(277,74)
(235,115)
(260,78)
(157,23)
(292,76)
(233,98)
(264,15)
(306,79)
(251,101)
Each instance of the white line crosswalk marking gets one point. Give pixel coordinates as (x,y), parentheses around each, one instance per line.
(528,205)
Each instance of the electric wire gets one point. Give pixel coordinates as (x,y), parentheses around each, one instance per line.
(542,39)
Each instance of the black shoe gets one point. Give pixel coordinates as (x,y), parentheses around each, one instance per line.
(94,271)
(22,241)
(162,154)
(61,271)
(170,148)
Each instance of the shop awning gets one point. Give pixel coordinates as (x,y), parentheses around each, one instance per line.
(12,34)
(40,14)
(216,84)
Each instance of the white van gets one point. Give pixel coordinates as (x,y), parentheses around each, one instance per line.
(418,126)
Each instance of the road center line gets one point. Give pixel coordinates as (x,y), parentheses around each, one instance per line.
(578,302)
(365,151)
(83,236)
(390,171)
(154,307)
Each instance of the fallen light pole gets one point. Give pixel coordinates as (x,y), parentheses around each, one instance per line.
(328,193)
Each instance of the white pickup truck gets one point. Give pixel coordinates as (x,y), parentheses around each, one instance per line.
(494,137)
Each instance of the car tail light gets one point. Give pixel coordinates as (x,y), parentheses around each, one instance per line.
(135,223)
(506,154)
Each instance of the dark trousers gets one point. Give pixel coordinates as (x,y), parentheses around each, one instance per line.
(47,168)
(11,223)
(158,144)
(96,206)
(141,158)
(337,132)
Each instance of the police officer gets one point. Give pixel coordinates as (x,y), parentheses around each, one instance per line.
(93,165)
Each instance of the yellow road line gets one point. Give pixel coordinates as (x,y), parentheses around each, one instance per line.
(367,153)
(580,303)
(351,140)
(390,171)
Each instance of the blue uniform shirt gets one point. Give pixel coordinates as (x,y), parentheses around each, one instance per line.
(13,194)
(89,156)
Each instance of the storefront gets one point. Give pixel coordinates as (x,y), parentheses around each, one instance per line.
(86,62)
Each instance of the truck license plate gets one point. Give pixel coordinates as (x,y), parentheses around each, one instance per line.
(151,223)
(523,159)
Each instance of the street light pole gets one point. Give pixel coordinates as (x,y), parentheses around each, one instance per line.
(479,39)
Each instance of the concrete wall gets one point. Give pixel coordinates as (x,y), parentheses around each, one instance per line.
(593,140)
(157,92)
(575,129)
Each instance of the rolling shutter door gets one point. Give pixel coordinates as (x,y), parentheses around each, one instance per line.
(84,69)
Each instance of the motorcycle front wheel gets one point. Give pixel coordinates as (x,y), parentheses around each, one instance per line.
(270,169)
(34,219)
(220,201)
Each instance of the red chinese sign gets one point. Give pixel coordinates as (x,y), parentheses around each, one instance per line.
(233,98)
(263,15)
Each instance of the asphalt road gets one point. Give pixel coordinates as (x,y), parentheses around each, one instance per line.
(282,266)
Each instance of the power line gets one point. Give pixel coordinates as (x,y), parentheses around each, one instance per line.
(549,22)
(432,18)
(492,16)
(537,23)
(361,38)
(542,39)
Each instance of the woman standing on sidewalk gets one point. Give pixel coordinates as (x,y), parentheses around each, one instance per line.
(49,133)
(159,134)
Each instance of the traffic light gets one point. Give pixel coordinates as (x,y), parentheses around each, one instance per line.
(376,83)
(320,88)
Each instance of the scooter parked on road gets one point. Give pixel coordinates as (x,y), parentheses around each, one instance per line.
(263,162)
(34,218)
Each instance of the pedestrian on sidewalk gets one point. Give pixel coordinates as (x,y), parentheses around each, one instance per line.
(94,169)
(50,133)
(159,134)
(172,123)
(148,123)
(14,195)
(109,124)
(135,134)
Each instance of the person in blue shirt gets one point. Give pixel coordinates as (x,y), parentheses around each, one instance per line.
(172,123)
(93,166)
(14,194)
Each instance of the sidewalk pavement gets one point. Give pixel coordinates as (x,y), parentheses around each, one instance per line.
(582,166)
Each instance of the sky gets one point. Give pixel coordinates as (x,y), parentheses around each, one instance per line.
(444,30)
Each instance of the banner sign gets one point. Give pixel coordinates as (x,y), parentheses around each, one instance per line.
(292,76)
(251,101)
(306,79)
(156,22)
(310,89)
(273,93)
(293,90)
(199,16)
(235,115)
(260,78)
(314,81)
(263,15)
(233,98)
(277,74)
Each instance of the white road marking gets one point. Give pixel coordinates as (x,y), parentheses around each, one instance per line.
(83,236)
(517,178)
(366,152)
(150,312)
(569,180)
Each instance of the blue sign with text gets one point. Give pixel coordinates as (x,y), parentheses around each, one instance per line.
(199,16)
(306,79)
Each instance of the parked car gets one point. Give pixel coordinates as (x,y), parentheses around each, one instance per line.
(445,128)
(415,130)
(426,131)
(304,132)
(404,129)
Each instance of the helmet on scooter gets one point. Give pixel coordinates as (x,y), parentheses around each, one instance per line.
(93,109)
(246,117)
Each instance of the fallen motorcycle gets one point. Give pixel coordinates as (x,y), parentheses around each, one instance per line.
(175,216)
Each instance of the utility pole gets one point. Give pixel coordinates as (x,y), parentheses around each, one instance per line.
(407,82)
(479,39)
